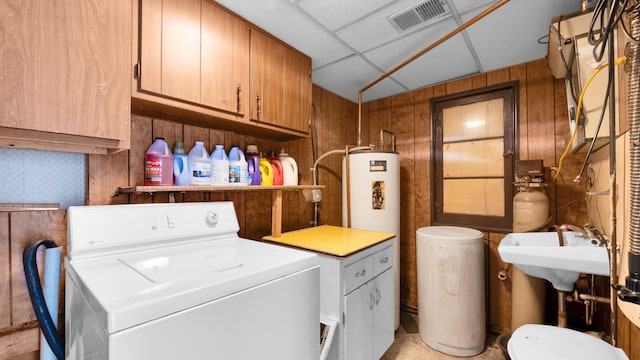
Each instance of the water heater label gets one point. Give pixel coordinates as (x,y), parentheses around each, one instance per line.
(377,165)
(377,195)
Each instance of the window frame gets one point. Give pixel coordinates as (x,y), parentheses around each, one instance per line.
(509,93)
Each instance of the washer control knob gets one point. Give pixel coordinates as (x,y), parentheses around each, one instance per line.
(211,218)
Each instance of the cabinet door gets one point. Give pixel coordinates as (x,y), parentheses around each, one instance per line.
(267,79)
(170,48)
(358,323)
(225,60)
(64,68)
(297,92)
(383,313)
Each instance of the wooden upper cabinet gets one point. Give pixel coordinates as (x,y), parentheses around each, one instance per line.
(193,51)
(267,79)
(225,59)
(198,62)
(298,92)
(64,75)
(280,84)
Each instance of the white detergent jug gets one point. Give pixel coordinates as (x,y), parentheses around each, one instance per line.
(289,169)
(199,165)
(238,169)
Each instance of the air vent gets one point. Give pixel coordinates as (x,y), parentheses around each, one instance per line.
(422,14)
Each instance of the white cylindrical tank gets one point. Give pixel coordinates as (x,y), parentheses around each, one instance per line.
(451,303)
(375,201)
(530,213)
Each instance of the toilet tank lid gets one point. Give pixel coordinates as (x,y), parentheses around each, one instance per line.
(533,342)
(449,233)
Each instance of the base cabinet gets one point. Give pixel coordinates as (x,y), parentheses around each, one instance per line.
(358,292)
(369,318)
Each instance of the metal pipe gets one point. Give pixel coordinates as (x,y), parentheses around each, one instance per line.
(393,139)
(462,27)
(613,270)
(562,309)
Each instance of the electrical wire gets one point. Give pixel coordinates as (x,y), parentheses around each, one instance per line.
(575,128)
(595,135)
(619,61)
(603,23)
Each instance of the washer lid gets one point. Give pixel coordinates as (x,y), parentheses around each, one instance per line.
(535,342)
(136,287)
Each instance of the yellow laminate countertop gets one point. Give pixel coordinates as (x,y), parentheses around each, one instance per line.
(331,240)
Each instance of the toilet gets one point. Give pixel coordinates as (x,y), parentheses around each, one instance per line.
(534,342)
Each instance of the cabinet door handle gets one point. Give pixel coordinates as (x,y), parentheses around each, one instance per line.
(258,108)
(239,98)
(384,260)
(361,273)
(378,296)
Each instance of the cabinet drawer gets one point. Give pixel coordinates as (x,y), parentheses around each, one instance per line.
(382,260)
(357,274)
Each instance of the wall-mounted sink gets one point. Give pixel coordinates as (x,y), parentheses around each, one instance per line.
(539,254)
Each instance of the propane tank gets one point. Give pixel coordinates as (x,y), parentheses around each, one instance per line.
(530,210)
(530,213)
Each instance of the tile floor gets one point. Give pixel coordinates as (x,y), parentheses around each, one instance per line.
(409,346)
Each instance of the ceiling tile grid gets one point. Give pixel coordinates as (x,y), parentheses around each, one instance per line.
(352,44)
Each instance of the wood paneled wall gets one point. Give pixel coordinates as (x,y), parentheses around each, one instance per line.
(542,111)
(334,119)
(19,332)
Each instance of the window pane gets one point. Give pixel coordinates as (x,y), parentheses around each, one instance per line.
(473,121)
(474,196)
(473,159)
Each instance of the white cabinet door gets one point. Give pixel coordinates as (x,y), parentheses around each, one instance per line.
(358,323)
(383,313)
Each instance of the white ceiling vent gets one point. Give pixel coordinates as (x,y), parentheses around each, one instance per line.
(423,14)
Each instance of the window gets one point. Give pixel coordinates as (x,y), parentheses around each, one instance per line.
(474,150)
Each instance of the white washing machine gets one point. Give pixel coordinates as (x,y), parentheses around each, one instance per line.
(174,281)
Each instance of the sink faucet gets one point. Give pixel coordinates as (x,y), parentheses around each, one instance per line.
(589,232)
(559,230)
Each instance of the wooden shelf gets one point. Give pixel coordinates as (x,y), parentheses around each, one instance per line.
(212,188)
(276,197)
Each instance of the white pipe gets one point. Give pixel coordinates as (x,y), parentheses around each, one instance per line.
(51,283)
(330,152)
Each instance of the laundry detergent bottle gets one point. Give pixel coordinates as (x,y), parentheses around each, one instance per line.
(199,165)
(219,166)
(253,165)
(289,169)
(158,165)
(266,172)
(181,175)
(238,168)
(276,166)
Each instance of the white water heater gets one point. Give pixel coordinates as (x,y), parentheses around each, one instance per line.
(374,200)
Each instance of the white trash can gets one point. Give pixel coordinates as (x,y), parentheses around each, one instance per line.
(451,303)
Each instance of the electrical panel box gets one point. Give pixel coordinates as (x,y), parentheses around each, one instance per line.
(570,56)
(593,99)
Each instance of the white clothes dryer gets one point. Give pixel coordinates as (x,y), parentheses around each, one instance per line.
(174,281)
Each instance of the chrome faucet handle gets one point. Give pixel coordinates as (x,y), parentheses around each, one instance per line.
(596,236)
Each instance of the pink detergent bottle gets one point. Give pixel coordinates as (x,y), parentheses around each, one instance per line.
(158,165)
(276,165)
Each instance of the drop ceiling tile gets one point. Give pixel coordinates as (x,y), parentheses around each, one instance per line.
(360,74)
(282,20)
(451,60)
(374,30)
(392,54)
(334,14)
(510,35)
